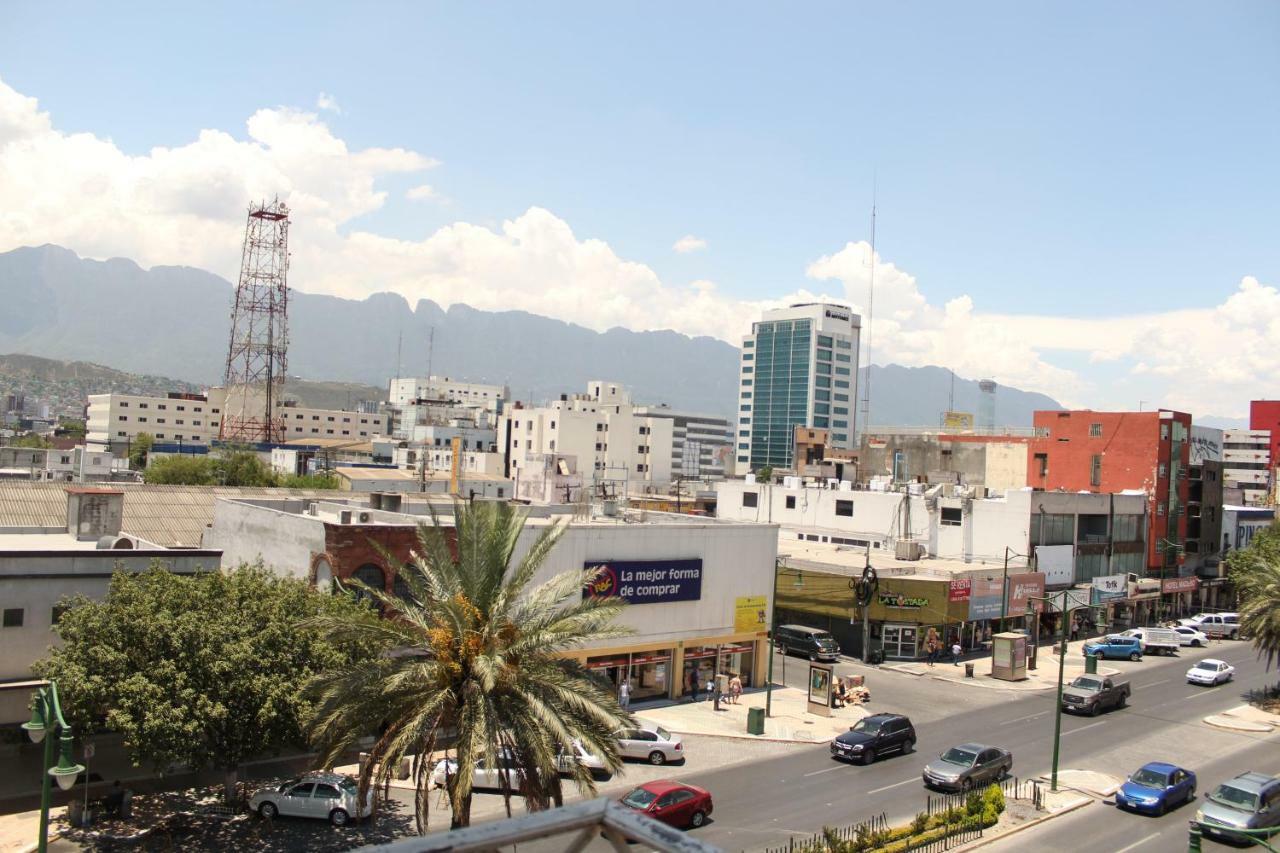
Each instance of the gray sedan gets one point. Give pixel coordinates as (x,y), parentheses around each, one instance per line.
(967,766)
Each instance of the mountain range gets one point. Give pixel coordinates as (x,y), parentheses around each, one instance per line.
(174,320)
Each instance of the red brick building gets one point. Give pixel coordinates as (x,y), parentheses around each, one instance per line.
(1116,451)
(1265,414)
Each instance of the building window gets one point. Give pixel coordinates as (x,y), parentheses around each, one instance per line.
(55,615)
(844,508)
(1160,508)
(746,395)
(824,341)
(1042,465)
(122,434)
(1164,432)
(124,405)
(791,501)
(142,420)
(1095,470)
(142,405)
(842,383)
(159,420)
(746,356)
(13,617)
(1095,430)
(952,516)
(750,499)
(161,406)
(746,383)
(159,435)
(182,408)
(122,417)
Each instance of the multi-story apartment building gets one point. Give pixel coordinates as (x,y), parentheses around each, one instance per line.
(1246,465)
(185,420)
(698,441)
(403,392)
(799,367)
(1112,452)
(610,443)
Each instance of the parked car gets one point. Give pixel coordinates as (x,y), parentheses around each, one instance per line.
(1211,671)
(874,736)
(488,776)
(674,803)
(327,796)
(1217,625)
(1090,694)
(1249,801)
(1115,647)
(651,743)
(1155,641)
(1156,788)
(813,643)
(963,767)
(1190,636)
(576,753)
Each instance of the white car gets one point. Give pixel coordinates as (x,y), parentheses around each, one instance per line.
(487,777)
(650,742)
(576,752)
(1189,636)
(1211,671)
(328,796)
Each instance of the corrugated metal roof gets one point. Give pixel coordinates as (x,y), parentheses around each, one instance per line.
(166,515)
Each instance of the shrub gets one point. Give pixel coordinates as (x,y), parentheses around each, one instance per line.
(920,823)
(973,803)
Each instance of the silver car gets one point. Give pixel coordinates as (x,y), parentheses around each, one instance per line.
(1249,801)
(327,796)
(964,767)
(651,743)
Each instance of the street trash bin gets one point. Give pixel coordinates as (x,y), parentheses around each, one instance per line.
(755,721)
(968,670)
(1091,664)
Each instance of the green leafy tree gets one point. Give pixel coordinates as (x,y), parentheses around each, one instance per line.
(237,467)
(138,450)
(479,656)
(764,474)
(182,470)
(205,670)
(32,440)
(1255,573)
(323,480)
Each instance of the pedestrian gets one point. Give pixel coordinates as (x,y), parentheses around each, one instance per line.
(955,652)
(1075,629)
(712,689)
(695,684)
(624,694)
(735,688)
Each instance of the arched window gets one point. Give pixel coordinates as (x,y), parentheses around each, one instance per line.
(401,589)
(370,575)
(324,575)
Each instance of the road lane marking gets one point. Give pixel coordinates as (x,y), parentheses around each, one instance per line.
(1082,728)
(1154,683)
(1023,719)
(1205,692)
(1138,843)
(828,770)
(895,785)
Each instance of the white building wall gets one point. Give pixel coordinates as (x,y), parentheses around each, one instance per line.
(402,392)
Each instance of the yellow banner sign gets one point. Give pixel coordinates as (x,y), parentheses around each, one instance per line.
(749,614)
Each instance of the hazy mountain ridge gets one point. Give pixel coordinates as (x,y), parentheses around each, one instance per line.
(176,319)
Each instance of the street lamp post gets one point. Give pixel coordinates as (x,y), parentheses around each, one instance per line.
(1164,545)
(46,715)
(773,629)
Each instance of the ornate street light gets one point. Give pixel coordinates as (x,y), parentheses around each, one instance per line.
(46,719)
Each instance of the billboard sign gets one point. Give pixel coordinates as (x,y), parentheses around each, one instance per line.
(1022,588)
(957,422)
(749,614)
(1187,584)
(959,590)
(645,581)
(985,598)
(1109,588)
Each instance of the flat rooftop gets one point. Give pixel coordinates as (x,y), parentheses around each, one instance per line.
(849,560)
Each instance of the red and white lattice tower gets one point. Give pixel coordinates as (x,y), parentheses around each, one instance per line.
(257,354)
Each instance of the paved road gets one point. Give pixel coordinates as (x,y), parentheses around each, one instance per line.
(762,804)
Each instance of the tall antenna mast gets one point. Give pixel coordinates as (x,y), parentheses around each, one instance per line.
(871,301)
(431,346)
(399,346)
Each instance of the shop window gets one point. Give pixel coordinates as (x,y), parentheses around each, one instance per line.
(952,516)
(750,499)
(844,508)
(791,501)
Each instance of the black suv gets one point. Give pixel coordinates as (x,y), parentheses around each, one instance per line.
(873,736)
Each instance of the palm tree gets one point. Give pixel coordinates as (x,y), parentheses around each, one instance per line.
(1255,573)
(473,655)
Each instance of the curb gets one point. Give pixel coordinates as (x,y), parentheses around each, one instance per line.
(977,682)
(983,842)
(1245,726)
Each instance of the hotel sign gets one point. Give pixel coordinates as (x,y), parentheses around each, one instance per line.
(644,581)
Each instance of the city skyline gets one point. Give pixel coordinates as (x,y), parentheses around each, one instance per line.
(690,174)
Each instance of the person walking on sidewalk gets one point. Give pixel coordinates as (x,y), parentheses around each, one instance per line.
(955,652)
(1075,629)
(624,694)
(735,688)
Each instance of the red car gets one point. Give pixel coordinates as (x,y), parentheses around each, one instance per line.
(671,802)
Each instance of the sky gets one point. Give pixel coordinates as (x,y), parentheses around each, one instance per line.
(1073,198)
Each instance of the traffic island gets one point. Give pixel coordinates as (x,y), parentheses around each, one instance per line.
(1245,718)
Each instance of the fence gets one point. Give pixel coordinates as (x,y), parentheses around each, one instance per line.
(1012,787)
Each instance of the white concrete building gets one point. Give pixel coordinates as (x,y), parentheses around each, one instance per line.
(78,464)
(429,482)
(612,446)
(1246,463)
(403,392)
(799,367)
(184,420)
(42,565)
(698,441)
(698,590)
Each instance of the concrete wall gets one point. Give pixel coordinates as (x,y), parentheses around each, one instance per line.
(283,541)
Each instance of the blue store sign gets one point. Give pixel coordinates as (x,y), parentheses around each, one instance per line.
(645,581)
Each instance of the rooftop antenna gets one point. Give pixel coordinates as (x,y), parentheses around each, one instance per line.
(431,346)
(871,298)
(399,347)
(951,400)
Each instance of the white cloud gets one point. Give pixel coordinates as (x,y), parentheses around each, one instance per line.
(422,192)
(328,103)
(185,205)
(689,243)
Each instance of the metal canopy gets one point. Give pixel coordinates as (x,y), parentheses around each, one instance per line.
(579,823)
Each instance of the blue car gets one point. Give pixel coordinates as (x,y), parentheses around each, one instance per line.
(1156,788)
(1115,647)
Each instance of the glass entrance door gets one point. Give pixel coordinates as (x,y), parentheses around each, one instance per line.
(899,641)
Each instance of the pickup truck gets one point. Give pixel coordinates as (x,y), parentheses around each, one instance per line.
(1218,625)
(1114,647)
(1156,641)
(1090,694)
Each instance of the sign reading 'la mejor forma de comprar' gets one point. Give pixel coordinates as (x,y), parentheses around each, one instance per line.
(645,581)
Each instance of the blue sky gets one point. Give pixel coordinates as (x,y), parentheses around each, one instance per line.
(1074,160)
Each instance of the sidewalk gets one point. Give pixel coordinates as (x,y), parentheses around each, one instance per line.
(1044,677)
(790,720)
(1245,718)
